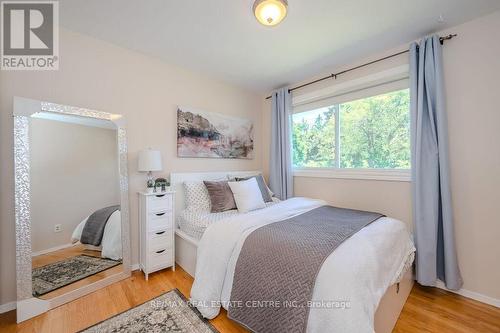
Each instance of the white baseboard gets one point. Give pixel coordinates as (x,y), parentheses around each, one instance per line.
(472,294)
(134,267)
(52,249)
(7,307)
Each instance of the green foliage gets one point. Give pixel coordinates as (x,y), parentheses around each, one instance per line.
(314,142)
(374,133)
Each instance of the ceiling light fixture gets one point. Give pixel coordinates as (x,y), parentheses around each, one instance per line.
(270,12)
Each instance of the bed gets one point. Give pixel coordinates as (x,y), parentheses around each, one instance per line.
(387,280)
(111,245)
(193,223)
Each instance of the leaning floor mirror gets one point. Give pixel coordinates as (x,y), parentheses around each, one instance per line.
(71,203)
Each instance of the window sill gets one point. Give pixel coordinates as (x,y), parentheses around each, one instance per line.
(395,175)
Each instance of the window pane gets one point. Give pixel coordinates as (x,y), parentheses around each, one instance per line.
(313,138)
(375,132)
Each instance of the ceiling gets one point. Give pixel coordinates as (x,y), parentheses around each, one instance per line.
(221,38)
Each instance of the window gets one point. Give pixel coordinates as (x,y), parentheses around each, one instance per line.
(367,133)
(313,138)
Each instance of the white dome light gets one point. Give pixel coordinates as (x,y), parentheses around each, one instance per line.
(270,12)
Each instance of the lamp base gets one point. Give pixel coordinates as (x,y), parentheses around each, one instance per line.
(150,184)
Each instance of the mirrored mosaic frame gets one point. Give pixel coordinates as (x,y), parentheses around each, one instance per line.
(23,109)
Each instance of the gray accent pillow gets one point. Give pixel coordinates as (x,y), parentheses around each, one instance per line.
(221,196)
(262,186)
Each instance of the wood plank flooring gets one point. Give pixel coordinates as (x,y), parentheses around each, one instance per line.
(435,310)
(427,309)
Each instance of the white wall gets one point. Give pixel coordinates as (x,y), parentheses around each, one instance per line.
(98,75)
(74,172)
(472,72)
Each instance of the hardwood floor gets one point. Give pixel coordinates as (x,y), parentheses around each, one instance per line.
(54,256)
(427,309)
(72,251)
(435,310)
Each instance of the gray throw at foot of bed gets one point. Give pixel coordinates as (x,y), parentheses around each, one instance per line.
(279,263)
(93,230)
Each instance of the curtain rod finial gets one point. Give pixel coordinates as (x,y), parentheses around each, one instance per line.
(450,36)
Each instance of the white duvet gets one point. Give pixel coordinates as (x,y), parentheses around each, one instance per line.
(357,273)
(111,245)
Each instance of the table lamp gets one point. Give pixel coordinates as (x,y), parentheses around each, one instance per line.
(149,161)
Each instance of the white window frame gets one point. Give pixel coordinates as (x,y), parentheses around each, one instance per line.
(314,97)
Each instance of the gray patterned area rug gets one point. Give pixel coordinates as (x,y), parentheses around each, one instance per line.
(169,312)
(61,273)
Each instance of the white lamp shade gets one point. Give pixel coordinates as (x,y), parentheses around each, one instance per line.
(149,160)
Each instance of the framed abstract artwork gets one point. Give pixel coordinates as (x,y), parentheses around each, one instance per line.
(213,135)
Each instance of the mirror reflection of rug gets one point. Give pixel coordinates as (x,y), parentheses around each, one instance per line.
(61,273)
(169,312)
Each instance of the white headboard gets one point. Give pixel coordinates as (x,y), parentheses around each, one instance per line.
(177,180)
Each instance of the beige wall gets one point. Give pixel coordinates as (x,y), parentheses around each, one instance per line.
(472,72)
(98,75)
(74,172)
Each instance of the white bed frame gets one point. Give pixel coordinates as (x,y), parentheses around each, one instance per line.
(186,247)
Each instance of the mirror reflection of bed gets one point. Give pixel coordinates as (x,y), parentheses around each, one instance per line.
(75,197)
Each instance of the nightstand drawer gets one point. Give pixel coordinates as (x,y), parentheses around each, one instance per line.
(160,202)
(160,240)
(160,257)
(157,221)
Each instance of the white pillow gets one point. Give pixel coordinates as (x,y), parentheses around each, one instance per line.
(247,195)
(197,197)
(232,177)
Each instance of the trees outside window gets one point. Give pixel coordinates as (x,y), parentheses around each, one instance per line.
(372,132)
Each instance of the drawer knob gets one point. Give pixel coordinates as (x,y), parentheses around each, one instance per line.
(160,195)
(161,251)
(160,232)
(160,214)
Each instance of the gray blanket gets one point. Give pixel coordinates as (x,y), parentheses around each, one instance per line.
(94,228)
(278,265)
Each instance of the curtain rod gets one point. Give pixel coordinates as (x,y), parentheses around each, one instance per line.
(334,75)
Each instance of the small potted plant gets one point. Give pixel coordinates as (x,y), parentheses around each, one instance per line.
(162,183)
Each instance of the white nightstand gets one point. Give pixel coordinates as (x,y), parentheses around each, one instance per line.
(156,241)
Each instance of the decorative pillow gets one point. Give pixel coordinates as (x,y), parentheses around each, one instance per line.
(197,197)
(247,195)
(221,196)
(264,190)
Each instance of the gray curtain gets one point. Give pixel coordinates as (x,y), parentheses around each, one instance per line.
(280,168)
(432,209)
